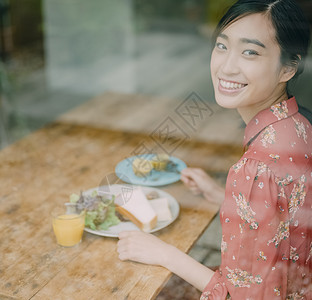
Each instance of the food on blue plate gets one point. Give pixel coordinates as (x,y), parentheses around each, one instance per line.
(137,209)
(141,167)
(99,210)
(160,161)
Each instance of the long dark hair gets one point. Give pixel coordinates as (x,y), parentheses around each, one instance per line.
(291,27)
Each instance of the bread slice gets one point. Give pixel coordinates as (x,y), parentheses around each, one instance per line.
(161,208)
(137,209)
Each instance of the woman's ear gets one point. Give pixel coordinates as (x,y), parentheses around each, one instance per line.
(289,71)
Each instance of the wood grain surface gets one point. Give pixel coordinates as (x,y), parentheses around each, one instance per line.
(40,171)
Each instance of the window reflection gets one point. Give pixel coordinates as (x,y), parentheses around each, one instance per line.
(58,54)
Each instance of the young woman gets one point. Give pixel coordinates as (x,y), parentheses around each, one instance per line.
(260,45)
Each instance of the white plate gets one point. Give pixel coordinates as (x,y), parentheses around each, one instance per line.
(116,189)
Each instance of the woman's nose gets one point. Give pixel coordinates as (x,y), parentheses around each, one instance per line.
(230,64)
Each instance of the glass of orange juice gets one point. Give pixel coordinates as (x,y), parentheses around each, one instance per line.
(68,225)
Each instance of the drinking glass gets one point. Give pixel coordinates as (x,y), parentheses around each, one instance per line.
(68,225)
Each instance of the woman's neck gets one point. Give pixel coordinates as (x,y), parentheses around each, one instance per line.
(248,112)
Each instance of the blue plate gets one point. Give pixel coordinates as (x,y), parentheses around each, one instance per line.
(155,178)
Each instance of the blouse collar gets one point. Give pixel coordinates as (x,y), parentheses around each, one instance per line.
(268,116)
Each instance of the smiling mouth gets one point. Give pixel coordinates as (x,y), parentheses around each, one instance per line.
(230,85)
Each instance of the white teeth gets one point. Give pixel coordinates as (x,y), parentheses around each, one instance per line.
(231,85)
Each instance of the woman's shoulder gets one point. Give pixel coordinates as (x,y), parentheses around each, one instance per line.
(285,147)
(293,134)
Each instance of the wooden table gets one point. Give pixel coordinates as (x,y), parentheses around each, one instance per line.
(41,171)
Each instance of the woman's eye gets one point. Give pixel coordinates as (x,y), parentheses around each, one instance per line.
(220,46)
(250,52)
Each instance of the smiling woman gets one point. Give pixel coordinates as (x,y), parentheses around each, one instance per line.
(266,206)
(267,38)
(234,61)
(246,68)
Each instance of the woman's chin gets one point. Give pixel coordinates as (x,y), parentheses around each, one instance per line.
(225,103)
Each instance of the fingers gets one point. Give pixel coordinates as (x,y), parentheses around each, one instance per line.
(187,181)
(123,245)
(194,179)
(189,175)
(190,171)
(193,173)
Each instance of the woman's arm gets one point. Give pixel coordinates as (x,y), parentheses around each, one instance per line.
(189,269)
(147,248)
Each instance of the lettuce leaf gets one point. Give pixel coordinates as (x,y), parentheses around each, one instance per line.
(95,206)
(110,220)
(89,219)
(74,198)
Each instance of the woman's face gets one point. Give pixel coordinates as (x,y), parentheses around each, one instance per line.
(245,64)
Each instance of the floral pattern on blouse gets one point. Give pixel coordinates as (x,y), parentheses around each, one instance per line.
(294,256)
(268,136)
(261,256)
(207,295)
(266,215)
(275,157)
(239,165)
(295,296)
(284,181)
(281,234)
(245,212)
(277,291)
(300,129)
(262,168)
(297,196)
(241,278)
(280,110)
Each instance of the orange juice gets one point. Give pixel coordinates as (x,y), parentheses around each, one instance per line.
(68,229)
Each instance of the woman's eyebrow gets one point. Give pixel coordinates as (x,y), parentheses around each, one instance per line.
(224,36)
(252,41)
(244,40)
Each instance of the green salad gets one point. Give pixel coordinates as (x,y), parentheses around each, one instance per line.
(99,210)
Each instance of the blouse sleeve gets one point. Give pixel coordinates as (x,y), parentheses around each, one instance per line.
(255,230)
(216,288)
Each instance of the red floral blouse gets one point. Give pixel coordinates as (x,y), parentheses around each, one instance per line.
(266,216)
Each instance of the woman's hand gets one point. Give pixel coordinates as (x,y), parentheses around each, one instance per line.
(142,247)
(199,182)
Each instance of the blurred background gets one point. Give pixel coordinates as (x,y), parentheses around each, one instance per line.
(58,54)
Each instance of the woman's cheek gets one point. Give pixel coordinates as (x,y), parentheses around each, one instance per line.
(214,63)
